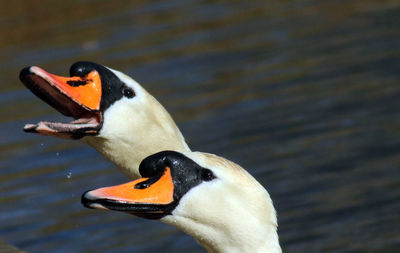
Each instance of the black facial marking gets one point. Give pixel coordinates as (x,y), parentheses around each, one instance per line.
(76,83)
(111,85)
(185,173)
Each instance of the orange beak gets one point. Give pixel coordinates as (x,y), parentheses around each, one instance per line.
(140,197)
(85,91)
(78,97)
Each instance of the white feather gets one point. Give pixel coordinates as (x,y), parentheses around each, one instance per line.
(232,213)
(134,129)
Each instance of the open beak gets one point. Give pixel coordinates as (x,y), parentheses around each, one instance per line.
(77,97)
(145,197)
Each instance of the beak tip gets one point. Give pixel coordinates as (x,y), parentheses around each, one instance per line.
(24,72)
(86,199)
(89,201)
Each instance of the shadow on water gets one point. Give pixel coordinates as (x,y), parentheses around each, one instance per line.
(303,94)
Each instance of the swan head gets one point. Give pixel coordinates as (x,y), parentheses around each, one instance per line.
(212,199)
(111,112)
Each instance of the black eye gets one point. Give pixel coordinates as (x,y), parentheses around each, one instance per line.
(128,92)
(207,175)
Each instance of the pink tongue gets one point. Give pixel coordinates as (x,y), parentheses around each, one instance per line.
(63,130)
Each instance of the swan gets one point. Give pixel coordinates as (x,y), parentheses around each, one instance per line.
(208,197)
(111,112)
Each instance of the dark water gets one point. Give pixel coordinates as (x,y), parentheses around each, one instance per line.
(303,94)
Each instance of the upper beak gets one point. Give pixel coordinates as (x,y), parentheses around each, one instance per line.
(142,197)
(84,91)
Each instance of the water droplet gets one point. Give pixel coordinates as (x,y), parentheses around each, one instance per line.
(69,175)
(57,154)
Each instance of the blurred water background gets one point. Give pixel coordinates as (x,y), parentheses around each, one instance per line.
(304,94)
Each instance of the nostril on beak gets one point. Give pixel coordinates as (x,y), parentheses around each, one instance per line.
(76,83)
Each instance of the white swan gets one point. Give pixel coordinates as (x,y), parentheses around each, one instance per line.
(112,113)
(210,198)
